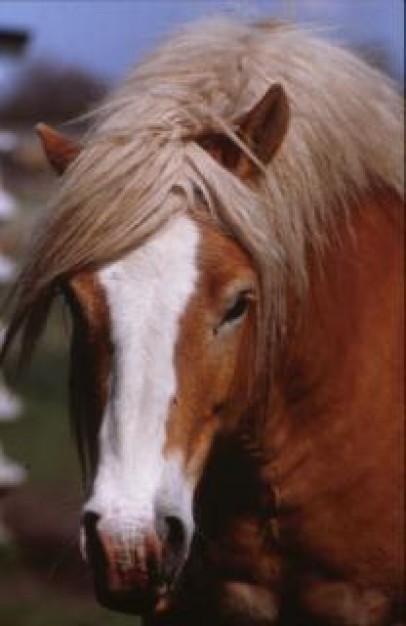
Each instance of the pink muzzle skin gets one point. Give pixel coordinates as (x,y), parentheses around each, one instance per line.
(133,577)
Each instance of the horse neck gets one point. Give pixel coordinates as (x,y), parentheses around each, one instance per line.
(334,413)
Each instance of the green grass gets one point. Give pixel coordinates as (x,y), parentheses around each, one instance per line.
(53,612)
(41,440)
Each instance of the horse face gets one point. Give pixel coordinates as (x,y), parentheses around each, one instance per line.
(165,330)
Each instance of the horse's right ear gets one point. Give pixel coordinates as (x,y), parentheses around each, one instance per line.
(262,129)
(59,150)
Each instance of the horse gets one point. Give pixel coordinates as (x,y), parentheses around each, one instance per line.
(228,239)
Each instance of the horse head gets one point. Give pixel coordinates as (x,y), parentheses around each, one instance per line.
(163,363)
(236,359)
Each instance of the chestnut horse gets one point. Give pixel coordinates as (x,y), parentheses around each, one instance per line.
(229,241)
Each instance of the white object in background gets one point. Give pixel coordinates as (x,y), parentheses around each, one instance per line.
(12,474)
(8,141)
(8,206)
(10,405)
(8,270)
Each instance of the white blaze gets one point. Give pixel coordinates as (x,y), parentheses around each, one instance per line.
(147,293)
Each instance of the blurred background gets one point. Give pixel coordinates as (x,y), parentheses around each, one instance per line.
(57,60)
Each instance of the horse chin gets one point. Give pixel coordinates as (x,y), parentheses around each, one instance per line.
(236,604)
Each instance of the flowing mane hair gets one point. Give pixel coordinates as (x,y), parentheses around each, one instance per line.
(141,163)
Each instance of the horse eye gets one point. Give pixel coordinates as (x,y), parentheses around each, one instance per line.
(237,310)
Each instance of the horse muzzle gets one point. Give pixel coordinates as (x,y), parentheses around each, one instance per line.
(133,575)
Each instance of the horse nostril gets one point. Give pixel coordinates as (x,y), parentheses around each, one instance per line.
(175,533)
(89,523)
(173,536)
(93,545)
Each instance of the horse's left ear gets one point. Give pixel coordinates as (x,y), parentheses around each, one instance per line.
(262,129)
(59,150)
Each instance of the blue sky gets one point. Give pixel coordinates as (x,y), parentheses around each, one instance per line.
(106,37)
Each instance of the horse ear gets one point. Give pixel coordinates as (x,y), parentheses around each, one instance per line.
(262,129)
(59,150)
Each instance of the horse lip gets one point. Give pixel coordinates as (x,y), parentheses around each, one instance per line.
(132,601)
(128,602)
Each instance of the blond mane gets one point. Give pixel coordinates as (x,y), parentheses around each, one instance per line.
(140,163)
